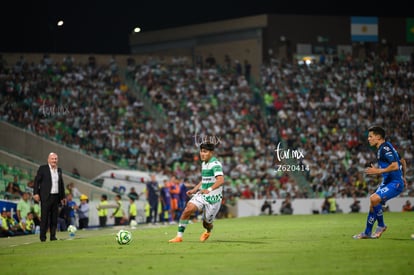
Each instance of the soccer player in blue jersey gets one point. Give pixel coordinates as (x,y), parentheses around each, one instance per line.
(389,165)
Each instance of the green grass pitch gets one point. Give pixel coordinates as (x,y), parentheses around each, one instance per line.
(298,244)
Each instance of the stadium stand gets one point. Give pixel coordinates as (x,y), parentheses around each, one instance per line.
(14,180)
(321,110)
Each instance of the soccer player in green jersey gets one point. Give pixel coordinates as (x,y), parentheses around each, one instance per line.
(206,195)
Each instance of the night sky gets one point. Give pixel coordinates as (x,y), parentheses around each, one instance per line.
(103,26)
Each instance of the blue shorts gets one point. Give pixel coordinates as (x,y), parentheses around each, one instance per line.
(390,190)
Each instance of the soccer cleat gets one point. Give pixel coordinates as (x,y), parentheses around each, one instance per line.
(205,236)
(361,236)
(378,232)
(176,240)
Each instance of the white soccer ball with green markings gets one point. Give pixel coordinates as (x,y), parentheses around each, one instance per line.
(72,229)
(123,237)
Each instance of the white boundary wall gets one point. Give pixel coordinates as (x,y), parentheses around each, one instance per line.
(247,208)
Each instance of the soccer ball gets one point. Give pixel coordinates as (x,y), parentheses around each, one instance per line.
(123,237)
(72,229)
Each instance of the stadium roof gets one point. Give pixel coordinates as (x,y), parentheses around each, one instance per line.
(92,26)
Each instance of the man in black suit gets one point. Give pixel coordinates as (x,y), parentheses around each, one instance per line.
(50,191)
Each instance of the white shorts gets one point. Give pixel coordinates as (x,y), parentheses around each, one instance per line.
(209,210)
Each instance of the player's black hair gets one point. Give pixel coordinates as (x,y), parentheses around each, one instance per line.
(207,146)
(378,130)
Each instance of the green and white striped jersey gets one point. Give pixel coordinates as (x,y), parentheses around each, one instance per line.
(209,171)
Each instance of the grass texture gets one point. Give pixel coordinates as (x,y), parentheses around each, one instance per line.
(298,244)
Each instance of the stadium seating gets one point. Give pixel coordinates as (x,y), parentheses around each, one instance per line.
(320,109)
(21,176)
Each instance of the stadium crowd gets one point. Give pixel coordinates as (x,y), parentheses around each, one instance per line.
(321,110)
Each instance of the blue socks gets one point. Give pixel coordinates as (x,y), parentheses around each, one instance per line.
(372,217)
(377,215)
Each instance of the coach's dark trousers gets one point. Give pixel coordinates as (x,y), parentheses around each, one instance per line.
(49,216)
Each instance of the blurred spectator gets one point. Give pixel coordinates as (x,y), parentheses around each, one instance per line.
(182,196)
(247,193)
(332,204)
(326,205)
(61,219)
(210,61)
(30,185)
(238,67)
(68,211)
(103,211)
(152,196)
(407,207)
(35,209)
(247,70)
(355,206)
(267,206)
(10,192)
(27,224)
(286,208)
(23,206)
(13,225)
(165,200)
(72,189)
(132,210)
(174,186)
(16,186)
(224,209)
(133,194)
(118,213)
(83,212)
(4,228)
(75,173)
